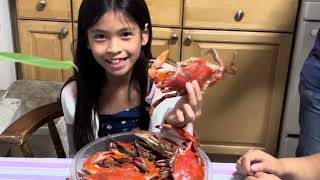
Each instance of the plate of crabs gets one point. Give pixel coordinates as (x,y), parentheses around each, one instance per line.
(141,155)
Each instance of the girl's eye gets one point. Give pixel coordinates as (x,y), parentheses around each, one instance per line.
(126,34)
(99,36)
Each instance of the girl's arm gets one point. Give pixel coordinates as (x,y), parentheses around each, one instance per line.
(68,102)
(179,111)
(162,110)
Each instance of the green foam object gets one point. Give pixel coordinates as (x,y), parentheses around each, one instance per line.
(36,61)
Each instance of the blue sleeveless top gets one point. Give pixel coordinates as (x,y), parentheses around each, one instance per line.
(310,72)
(124,121)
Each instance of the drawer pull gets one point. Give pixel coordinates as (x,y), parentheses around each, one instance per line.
(41,5)
(187,41)
(239,15)
(63,33)
(174,38)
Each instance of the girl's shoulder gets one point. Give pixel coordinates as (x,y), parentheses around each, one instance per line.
(69,90)
(68,101)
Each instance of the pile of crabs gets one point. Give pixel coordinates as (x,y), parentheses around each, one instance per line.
(153,156)
(150,156)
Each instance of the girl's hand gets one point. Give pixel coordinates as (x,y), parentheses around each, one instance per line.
(262,176)
(255,161)
(188,108)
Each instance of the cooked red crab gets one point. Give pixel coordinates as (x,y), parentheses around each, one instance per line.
(194,68)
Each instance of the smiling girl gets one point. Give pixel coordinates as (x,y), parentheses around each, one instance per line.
(108,93)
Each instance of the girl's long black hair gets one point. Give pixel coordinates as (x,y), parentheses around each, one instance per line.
(90,75)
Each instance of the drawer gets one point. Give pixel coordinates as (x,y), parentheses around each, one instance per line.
(312,11)
(76,7)
(163,13)
(166,38)
(44,9)
(271,15)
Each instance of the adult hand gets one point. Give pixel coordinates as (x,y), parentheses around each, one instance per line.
(255,161)
(188,108)
(262,176)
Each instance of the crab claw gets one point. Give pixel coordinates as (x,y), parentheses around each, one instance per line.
(157,63)
(180,131)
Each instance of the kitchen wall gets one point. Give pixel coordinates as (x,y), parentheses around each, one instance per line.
(7,70)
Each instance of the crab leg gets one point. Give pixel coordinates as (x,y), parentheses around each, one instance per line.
(157,102)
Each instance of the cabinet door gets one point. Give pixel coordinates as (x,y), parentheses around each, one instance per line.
(166,38)
(242,111)
(45,39)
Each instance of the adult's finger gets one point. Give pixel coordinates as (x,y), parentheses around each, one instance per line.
(246,165)
(250,178)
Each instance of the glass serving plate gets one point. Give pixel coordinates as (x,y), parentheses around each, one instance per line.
(102,144)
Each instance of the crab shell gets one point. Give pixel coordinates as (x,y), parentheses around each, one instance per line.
(187,71)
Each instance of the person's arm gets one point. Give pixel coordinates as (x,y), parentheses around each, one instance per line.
(179,111)
(307,168)
(68,103)
(254,161)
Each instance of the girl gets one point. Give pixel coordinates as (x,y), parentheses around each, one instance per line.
(108,92)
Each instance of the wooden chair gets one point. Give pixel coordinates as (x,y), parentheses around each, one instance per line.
(20,130)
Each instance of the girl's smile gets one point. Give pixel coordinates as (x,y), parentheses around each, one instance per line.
(117,63)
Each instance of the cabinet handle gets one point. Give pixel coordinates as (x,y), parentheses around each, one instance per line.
(314,32)
(187,41)
(173,38)
(41,5)
(235,56)
(63,33)
(239,15)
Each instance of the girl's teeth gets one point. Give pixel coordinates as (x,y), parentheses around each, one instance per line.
(115,61)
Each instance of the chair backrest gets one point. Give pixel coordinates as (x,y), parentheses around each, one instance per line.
(20,130)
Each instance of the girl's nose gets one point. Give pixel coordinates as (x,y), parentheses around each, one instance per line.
(114,46)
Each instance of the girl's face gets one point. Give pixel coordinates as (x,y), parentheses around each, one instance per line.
(115,42)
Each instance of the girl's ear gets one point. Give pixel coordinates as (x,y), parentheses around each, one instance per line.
(145,35)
